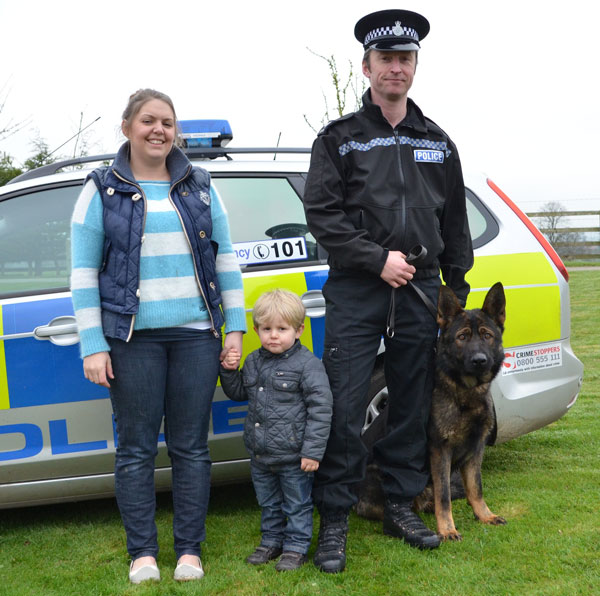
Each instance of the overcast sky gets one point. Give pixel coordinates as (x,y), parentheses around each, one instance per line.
(514,83)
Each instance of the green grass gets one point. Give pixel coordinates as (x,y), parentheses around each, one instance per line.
(588,262)
(546,484)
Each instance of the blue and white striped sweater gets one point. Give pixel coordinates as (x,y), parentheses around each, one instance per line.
(169,293)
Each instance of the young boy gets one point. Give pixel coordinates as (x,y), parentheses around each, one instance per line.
(287,426)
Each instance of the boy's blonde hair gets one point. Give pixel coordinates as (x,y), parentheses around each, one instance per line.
(281,303)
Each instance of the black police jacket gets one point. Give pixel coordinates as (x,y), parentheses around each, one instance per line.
(372,188)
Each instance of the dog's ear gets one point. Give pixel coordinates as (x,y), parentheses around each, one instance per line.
(494,304)
(448,306)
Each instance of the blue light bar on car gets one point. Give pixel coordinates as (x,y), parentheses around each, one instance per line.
(205,133)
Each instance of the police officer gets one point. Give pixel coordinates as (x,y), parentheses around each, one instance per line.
(385,183)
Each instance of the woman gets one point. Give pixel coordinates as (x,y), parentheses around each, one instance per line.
(154,277)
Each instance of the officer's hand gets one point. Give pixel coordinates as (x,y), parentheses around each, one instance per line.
(396,271)
(97,368)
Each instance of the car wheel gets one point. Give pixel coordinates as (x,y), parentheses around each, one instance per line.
(375,423)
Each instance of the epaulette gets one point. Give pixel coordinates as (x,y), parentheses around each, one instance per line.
(334,122)
(431,125)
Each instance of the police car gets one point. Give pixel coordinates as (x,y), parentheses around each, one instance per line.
(57,434)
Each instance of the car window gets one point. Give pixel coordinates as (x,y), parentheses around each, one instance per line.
(482,225)
(266,217)
(35,240)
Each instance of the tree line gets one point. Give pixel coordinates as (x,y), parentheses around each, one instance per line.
(346,88)
(41,153)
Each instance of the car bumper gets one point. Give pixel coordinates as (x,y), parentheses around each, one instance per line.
(530,400)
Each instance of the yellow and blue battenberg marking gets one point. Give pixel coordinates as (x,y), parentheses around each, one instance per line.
(227,415)
(315,281)
(37,373)
(34,372)
(4,402)
(297,282)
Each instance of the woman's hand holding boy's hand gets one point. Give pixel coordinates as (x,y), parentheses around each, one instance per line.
(232,350)
(230,359)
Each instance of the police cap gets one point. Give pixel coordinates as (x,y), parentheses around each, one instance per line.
(392,30)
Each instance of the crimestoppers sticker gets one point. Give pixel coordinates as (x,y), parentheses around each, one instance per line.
(269,251)
(529,358)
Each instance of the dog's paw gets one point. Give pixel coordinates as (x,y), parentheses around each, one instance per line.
(369,510)
(492,520)
(450,535)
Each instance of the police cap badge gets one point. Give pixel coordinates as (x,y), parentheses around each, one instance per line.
(392,30)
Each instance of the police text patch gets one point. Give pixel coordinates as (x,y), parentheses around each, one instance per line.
(429,156)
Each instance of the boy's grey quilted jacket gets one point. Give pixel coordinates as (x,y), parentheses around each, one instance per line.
(289,404)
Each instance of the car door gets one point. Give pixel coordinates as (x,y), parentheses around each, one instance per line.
(53,422)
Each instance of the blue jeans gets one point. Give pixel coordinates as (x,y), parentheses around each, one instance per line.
(284,492)
(174,379)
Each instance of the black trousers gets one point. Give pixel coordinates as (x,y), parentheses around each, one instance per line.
(357,309)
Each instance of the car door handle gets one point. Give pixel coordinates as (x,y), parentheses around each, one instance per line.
(61,331)
(314,303)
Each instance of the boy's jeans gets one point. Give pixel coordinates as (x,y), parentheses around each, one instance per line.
(284,491)
(174,379)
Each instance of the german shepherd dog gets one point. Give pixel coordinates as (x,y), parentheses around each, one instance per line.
(462,419)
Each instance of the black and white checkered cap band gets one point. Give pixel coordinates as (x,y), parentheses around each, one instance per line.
(388,32)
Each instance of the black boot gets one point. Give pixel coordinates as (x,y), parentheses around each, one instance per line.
(401,521)
(330,555)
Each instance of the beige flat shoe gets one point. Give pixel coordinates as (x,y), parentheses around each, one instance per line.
(144,573)
(184,572)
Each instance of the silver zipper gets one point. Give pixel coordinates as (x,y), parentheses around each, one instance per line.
(212,322)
